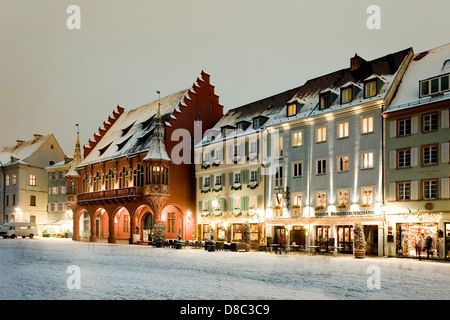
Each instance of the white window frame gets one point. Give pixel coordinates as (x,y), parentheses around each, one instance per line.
(343,129)
(367,124)
(367,159)
(343,156)
(323,170)
(299,165)
(367,200)
(297,138)
(321,134)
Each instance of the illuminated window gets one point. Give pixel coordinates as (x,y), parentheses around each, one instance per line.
(237,203)
(32,180)
(14,179)
(126,223)
(367,196)
(367,160)
(343,198)
(252,202)
(297,138)
(325,101)
(370,89)
(123,183)
(292,110)
(280,146)
(321,197)
(367,124)
(343,130)
(7,180)
(343,163)
(321,134)
(346,95)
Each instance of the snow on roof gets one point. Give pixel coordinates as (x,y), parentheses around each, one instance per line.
(21,151)
(423,65)
(132,133)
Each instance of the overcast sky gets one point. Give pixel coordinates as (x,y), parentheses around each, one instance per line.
(53,77)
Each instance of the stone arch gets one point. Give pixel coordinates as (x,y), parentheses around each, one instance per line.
(144,218)
(100,225)
(173,216)
(82,229)
(119,225)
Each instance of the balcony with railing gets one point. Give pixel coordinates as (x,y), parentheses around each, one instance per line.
(114,194)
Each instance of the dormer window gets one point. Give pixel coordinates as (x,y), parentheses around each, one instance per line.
(226,130)
(242,126)
(346,95)
(291,109)
(259,121)
(325,100)
(434,85)
(370,88)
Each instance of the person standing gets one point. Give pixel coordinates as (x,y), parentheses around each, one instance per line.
(429,243)
(421,245)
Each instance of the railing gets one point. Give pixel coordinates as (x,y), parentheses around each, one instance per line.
(110,194)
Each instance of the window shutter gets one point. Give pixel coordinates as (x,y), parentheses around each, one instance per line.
(49,190)
(415,190)
(445,152)
(246,149)
(414,124)
(211,181)
(392,159)
(231,204)
(230,176)
(223,180)
(444,118)
(392,191)
(445,188)
(244,176)
(210,207)
(393,128)
(258,178)
(200,182)
(244,203)
(414,157)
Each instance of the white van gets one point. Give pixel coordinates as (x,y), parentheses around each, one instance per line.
(18,229)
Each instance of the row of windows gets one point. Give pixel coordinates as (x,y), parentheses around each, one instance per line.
(343,165)
(246,176)
(56,175)
(347,95)
(429,156)
(32,202)
(428,189)
(410,125)
(57,206)
(137,177)
(11,179)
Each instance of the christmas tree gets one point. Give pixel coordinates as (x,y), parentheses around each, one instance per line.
(246,233)
(360,239)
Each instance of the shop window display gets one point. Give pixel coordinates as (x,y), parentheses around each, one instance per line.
(409,234)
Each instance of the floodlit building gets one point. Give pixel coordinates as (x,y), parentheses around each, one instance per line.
(417,169)
(137,171)
(24,179)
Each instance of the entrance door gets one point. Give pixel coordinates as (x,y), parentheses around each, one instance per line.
(298,235)
(371,234)
(345,239)
(280,235)
(322,236)
(148,224)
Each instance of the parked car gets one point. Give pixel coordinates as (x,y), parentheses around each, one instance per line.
(18,229)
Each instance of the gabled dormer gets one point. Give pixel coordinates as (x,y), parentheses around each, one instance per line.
(226,130)
(242,125)
(211,134)
(327,98)
(372,86)
(349,91)
(294,106)
(259,121)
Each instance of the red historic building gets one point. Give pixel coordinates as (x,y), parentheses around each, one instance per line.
(127,180)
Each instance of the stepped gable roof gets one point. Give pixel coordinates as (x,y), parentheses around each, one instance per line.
(423,65)
(133,131)
(20,152)
(384,68)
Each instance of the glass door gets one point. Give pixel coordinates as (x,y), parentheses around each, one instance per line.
(345,239)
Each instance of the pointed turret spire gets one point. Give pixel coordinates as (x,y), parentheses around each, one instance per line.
(76,156)
(157,149)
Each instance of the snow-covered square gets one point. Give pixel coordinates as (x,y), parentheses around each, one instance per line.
(43,269)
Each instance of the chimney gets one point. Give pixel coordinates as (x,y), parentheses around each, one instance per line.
(19,142)
(37,136)
(356,62)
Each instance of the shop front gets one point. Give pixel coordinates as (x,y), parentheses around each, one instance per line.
(408,239)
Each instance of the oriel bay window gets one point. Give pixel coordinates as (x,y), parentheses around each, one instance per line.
(156,175)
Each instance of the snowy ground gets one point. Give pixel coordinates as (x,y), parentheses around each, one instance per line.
(37,269)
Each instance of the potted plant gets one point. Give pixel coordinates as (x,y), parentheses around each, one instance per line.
(359,241)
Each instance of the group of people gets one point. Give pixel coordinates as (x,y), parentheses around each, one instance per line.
(423,244)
